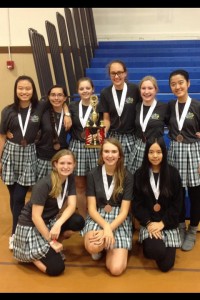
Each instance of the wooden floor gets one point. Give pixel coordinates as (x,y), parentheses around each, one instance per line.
(82,275)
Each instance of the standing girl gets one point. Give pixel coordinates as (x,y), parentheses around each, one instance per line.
(86,158)
(149,121)
(117,103)
(18,155)
(184,150)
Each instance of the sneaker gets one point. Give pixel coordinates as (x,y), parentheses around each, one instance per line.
(97,256)
(11,238)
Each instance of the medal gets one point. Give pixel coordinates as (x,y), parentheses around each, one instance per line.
(83,134)
(108,208)
(56,146)
(156,207)
(179,138)
(144,138)
(23,142)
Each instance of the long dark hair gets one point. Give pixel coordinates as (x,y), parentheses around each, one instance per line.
(165,186)
(34,98)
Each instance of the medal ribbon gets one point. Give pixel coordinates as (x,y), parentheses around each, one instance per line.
(24,128)
(61,198)
(181,120)
(146,120)
(119,107)
(155,187)
(88,111)
(108,190)
(58,129)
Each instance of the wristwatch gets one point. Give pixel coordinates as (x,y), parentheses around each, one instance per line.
(68,114)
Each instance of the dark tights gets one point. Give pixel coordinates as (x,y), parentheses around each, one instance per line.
(193,192)
(156,249)
(17,200)
(53,261)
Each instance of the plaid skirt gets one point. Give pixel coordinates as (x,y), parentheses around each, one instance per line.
(136,156)
(123,234)
(171,237)
(19,164)
(28,244)
(127,141)
(87,158)
(44,168)
(186,158)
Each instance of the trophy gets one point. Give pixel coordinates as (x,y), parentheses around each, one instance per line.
(97,132)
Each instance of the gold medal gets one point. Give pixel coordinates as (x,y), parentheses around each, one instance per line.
(156,207)
(108,208)
(179,138)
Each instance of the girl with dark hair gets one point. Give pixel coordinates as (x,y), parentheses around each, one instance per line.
(184,151)
(49,217)
(53,135)
(18,154)
(157,200)
(109,194)
(117,103)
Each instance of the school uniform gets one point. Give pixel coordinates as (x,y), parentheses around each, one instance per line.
(121,128)
(154,128)
(95,187)
(86,157)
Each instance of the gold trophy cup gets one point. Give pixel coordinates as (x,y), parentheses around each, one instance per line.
(93,130)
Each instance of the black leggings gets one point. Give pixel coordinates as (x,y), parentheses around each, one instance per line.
(156,249)
(53,260)
(17,200)
(193,192)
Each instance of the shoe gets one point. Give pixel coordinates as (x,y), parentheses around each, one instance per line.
(11,238)
(63,256)
(190,238)
(97,256)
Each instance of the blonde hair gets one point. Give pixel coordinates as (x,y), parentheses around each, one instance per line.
(55,179)
(150,78)
(120,170)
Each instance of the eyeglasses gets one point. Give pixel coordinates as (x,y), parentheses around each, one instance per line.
(119,74)
(60,95)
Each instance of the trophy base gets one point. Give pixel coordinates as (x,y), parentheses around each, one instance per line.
(93,146)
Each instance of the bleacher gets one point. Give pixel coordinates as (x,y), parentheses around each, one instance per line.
(156,58)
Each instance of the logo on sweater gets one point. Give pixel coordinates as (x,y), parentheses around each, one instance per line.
(34,119)
(189,116)
(129,100)
(155,116)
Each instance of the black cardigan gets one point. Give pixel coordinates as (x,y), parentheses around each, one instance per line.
(170,207)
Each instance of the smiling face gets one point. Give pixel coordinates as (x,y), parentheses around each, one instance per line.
(179,86)
(65,165)
(148,92)
(117,75)
(24,92)
(110,154)
(57,98)
(155,156)
(85,90)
